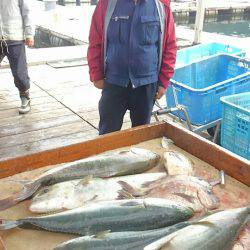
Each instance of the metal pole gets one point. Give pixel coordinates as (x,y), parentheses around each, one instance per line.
(199,20)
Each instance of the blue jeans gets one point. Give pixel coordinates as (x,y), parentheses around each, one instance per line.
(116,100)
(17,60)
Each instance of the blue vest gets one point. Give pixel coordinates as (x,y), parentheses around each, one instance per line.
(133,37)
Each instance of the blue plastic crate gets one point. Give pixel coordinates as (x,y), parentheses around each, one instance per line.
(203,51)
(200,85)
(235,130)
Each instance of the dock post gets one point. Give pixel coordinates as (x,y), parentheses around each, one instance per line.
(200,13)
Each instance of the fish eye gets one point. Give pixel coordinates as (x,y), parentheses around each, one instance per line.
(43,191)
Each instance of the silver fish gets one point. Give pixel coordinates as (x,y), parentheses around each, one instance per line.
(76,193)
(131,161)
(120,240)
(215,232)
(116,216)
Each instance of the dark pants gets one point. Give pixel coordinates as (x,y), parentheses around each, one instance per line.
(116,100)
(17,60)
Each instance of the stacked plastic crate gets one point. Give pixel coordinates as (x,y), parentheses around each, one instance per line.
(235,131)
(204,74)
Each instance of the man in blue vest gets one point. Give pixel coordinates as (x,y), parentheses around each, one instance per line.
(132,51)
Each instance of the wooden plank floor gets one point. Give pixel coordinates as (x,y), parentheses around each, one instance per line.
(64,111)
(51,123)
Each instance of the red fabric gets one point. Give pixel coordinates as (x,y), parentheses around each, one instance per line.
(96,44)
(169,49)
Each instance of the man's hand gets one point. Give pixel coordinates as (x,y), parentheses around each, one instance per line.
(99,84)
(29,42)
(160,92)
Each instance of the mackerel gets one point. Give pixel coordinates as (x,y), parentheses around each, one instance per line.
(215,232)
(131,161)
(120,240)
(116,216)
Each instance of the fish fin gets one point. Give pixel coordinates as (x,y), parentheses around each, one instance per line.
(124,195)
(86,180)
(8,224)
(204,223)
(135,192)
(102,234)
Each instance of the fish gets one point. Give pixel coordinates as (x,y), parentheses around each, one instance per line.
(76,193)
(243,240)
(176,163)
(116,216)
(132,240)
(121,162)
(166,142)
(215,232)
(189,191)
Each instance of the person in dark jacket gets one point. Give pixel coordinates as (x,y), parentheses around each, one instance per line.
(131,56)
(16,30)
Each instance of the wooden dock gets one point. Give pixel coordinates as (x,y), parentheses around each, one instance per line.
(64,111)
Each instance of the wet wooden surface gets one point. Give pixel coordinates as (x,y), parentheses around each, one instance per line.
(234,194)
(64,111)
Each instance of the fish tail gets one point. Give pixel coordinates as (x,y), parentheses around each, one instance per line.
(2,244)
(9,224)
(27,191)
(8,202)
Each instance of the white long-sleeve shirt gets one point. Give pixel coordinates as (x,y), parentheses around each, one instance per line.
(15,20)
